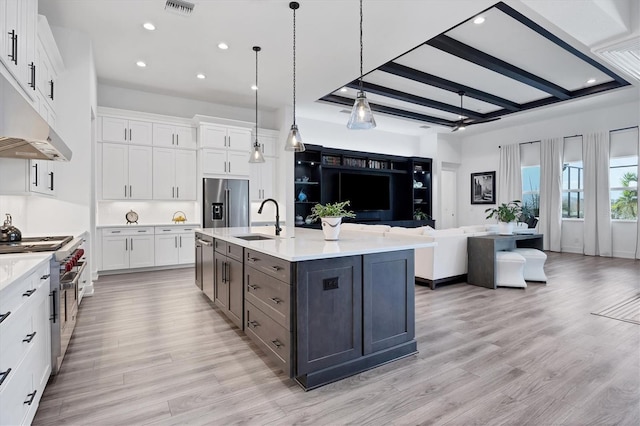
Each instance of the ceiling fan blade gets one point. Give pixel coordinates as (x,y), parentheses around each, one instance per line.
(481,120)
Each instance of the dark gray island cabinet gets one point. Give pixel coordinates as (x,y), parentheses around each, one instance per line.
(325,319)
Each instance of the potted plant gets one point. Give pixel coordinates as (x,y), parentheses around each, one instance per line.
(506,214)
(331,215)
(418,214)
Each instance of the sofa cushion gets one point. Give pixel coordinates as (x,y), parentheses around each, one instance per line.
(471,229)
(406,231)
(375,228)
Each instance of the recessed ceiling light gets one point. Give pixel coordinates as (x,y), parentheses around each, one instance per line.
(591,81)
(149,26)
(254,87)
(141,64)
(201,76)
(223,46)
(479,20)
(344,89)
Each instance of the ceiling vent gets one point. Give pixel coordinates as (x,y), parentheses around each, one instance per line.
(179,7)
(624,55)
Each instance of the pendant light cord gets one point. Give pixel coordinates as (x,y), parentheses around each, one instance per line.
(257,49)
(361,47)
(294,66)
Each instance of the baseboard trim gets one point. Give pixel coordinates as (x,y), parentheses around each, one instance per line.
(441,281)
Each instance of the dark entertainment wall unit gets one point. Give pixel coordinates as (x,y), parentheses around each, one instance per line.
(383,189)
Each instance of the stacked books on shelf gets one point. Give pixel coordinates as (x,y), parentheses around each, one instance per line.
(331,160)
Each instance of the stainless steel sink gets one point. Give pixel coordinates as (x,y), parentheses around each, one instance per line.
(254,237)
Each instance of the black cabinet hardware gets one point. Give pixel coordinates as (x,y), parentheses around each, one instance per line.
(252,259)
(51,178)
(277,343)
(276,268)
(53,316)
(30,397)
(4,316)
(44,277)
(32,83)
(252,287)
(275,300)
(28,293)
(253,324)
(35,166)
(4,375)
(29,337)
(14,47)
(51,87)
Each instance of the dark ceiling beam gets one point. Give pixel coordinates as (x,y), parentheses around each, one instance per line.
(559,42)
(444,84)
(396,112)
(591,90)
(414,99)
(468,53)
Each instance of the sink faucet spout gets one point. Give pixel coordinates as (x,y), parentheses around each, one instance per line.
(278,229)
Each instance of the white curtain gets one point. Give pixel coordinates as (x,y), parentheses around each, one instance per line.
(550,224)
(509,174)
(597,203)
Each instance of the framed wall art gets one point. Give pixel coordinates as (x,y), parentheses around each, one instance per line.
(483,188)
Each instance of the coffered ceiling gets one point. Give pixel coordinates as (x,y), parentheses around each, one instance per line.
(418,55)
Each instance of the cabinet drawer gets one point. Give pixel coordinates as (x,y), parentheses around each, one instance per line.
(136,230)
(14,298)
(234,251)
(13,348)
(271,337)
(272,296)
(278,268)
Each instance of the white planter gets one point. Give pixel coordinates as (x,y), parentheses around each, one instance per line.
(505,228)
(331,227)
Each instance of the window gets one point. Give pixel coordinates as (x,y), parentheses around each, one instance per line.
(573,179)
(531,190)
(623,174)
(530,166)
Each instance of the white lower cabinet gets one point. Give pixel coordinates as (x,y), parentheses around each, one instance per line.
(125,248)
(25,352)
(174,245)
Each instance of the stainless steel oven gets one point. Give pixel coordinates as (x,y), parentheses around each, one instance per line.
(67,266)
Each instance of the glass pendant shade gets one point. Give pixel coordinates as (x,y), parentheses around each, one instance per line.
(361,115)
(294,140)
(256,154)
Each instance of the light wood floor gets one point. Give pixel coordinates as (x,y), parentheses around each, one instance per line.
(150,349)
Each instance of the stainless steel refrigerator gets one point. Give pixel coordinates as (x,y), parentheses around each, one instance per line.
(225,203)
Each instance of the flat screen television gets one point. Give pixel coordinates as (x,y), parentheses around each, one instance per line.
(366,191)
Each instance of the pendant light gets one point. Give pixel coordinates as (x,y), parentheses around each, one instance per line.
(294,140)
(256,152)
(361,116)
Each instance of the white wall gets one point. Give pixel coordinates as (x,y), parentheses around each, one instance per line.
(480,153)
(138,100)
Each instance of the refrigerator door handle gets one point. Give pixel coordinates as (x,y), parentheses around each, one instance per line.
(226,203)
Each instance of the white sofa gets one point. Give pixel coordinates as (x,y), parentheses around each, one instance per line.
(443,264)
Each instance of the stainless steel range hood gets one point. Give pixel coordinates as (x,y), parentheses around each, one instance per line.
(23,132)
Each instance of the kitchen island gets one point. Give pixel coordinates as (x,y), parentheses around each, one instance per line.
(321,310)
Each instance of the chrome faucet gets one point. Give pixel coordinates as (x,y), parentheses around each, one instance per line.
(278,229)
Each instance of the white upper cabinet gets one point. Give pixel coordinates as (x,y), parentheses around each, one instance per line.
(224,162)
(268,143)
(126,172)
(18,29)
(261,179)
(231,138)
(170,135)
(126,131)
(174,174)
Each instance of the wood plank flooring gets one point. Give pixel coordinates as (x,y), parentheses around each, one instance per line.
(149,348)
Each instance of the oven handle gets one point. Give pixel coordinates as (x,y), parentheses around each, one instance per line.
(71,284)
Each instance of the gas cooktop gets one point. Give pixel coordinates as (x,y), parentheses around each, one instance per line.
(34,244)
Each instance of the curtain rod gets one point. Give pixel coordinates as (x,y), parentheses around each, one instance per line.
(523,143)
(623,128)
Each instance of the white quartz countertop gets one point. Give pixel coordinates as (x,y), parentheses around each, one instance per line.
(309,244)
(15,267)
(142,225)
